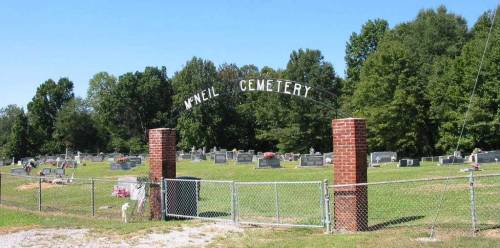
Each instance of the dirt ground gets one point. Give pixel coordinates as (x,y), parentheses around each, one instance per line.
(199,236)
(35,186)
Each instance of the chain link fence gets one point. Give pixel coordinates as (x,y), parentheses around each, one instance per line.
(445,207)
(101,198)
(259,203)
(434,208)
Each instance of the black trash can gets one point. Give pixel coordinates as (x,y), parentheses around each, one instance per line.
(187,194)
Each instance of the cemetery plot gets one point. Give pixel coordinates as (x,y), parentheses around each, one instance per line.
(220,158)
(308,160)
(444,160)
(377,158)
(268,163)
(487,157)
(244,158)
(408,162)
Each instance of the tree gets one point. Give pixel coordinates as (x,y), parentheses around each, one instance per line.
(199,126)
(100,86)
(297,124)
(18,144)
(8,116)
(359,47)
(75,128)
(42,111)
(387,96)
(139,101)
(452,84)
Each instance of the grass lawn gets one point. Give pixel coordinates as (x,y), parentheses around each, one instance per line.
(398,213)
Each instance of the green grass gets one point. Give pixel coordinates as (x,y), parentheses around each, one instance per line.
(402,211)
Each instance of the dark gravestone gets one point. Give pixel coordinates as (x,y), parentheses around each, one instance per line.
(220,158)
(244,158)
(120,166)
(408,162)
(229,155)
(443,160)
(307,160)
(135,160)
(185,156)
(18,171)
(382,157)
(268,163)
(488,157)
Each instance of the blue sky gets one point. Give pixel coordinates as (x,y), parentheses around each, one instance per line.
(76,39)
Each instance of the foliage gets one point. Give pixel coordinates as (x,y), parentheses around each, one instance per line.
(18,144)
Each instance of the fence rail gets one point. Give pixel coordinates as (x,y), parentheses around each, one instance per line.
(299,204)
(101,198)
(449,206)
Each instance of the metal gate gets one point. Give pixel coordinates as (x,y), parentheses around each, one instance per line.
(294,204)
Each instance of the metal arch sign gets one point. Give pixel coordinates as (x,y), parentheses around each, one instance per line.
(281,86)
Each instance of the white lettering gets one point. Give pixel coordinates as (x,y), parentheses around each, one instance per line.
(296,89)
(197,99)
(209,93)
(213,91)
(260,84)
(287,84)
(307,90)
(250,85)
(241,85)
(269,85)
(203,95)
(188,103)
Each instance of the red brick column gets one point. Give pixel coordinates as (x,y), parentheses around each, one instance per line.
(350,167)
(161,164)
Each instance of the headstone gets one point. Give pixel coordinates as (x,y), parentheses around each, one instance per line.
(244,158)
(185,156)
(487,157)
(377,158)
(408,162)
(229,155)
(307,160)
(251,152)
(135,160)
(220,158)
(444,160)
(268,163)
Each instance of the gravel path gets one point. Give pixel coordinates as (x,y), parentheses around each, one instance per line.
(186,237)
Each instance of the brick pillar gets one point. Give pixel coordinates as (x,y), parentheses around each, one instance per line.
(350,167)
(161,164)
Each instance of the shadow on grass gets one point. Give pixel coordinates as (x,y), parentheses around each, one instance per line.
(212,214)
(490,227)
(394,222)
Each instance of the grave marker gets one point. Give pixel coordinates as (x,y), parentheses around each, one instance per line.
(308,160)
(408,162)
(220,158)
(268,163)
(244,158)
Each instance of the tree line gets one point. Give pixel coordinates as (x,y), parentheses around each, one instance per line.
(411,82)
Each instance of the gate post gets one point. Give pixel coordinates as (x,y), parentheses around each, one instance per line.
(350,167)
(162,164)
